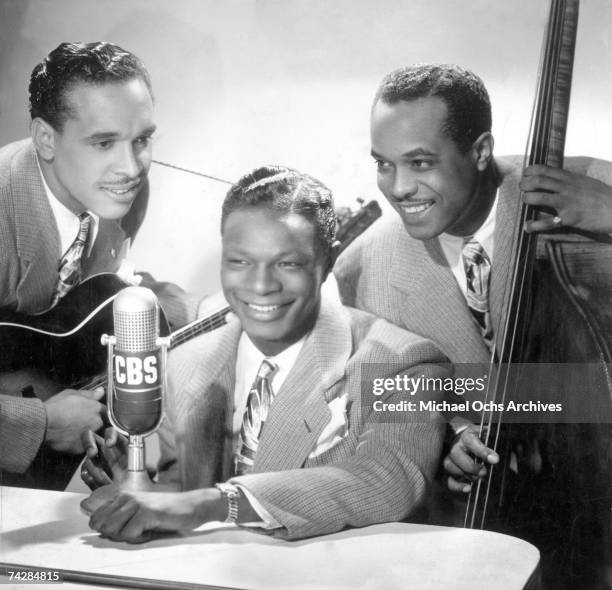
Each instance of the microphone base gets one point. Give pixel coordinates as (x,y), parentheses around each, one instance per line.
(137,481)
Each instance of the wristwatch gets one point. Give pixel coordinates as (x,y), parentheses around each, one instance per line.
(231,494)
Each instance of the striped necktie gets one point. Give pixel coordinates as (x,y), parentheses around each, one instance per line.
(70,264)
(258,404)
(477,267)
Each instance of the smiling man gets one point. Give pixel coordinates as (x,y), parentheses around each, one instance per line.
(277,406)
(72,198)
(440,265)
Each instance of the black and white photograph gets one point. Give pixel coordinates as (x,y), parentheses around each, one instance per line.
(306,294)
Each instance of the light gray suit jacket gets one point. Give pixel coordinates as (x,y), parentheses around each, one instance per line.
(378,472)
(409,282)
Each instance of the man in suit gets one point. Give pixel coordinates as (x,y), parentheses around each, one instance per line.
(433,148)
(326,457)
(72,198)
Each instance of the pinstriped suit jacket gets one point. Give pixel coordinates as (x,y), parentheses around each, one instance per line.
(379,472)
(409,283)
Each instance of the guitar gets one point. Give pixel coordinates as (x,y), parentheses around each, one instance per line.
(43,354)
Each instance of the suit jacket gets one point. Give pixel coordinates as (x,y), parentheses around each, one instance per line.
(410,283)
(378,472)
(29,258)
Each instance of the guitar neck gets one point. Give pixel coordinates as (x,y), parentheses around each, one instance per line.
(200,326)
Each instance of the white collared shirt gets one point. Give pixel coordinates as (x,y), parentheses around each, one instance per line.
(248,361)
(67,222)
(68,226)
(452,246)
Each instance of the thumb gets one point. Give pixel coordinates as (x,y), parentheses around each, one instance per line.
(95,394)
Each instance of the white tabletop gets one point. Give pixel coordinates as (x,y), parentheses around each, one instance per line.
(48,530)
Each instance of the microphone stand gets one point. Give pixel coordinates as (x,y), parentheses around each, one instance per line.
(136,477)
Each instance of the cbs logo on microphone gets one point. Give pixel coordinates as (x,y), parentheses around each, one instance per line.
(138,389)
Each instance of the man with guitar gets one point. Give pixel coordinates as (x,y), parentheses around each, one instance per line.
(72,198)
(297,361)
(433,148)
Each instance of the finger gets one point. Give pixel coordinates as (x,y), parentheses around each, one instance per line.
(454,470)
(93,394)
(473,445)
(110,518)
(137,530)
(110,437)
(540,182)
(540,199)
(543,170)
(456,485)
(94,474)
(89,440)
(543,224)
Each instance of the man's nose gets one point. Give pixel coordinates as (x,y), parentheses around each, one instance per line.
(128,164)
(264,281)
(404,186)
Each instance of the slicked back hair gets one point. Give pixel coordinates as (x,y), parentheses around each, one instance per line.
(463,92)
(70,64)
(285,190)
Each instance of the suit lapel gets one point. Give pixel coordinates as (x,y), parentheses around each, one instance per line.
(38,242)
(300,410)
(431,300)
(505,243)
(204,405)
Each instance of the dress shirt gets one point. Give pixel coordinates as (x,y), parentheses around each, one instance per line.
(68,227)
(452,246)
(67,222)
(248,361)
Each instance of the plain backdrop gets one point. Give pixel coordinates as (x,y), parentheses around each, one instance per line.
(241,83)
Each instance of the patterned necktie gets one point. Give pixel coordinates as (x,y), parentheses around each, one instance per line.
(70,264)
(258,403)
(477,267)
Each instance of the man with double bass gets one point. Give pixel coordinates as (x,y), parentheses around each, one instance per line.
(72,198)
(439,267)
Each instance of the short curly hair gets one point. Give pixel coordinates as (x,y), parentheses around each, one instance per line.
(287,191)
(463,92)
(72,63)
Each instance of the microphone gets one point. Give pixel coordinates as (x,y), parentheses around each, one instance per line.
(136,376)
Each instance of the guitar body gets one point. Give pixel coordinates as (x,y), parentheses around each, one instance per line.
(44,363)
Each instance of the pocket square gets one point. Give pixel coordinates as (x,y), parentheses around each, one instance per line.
(337,428)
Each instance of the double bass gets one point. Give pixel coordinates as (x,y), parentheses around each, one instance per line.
(554,484)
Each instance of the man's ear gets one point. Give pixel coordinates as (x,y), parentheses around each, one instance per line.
(333,255)
(483,150)
(43,138)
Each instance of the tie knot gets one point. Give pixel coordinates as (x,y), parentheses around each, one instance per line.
(84,223)
(266,369)
(474,252)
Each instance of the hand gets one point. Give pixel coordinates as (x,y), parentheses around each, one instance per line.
(460,463)
(136,516)
(68,414)
(580,202)
(106,458)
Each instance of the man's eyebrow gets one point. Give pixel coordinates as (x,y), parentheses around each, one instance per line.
(102,135)
(420,151)
(149,130)
(106,135)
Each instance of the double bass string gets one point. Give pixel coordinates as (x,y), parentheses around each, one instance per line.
(518,282)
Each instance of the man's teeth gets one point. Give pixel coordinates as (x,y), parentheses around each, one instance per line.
(417,208)
(263,308)
(121,191)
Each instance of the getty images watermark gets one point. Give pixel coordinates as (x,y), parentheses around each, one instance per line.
(536,393)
